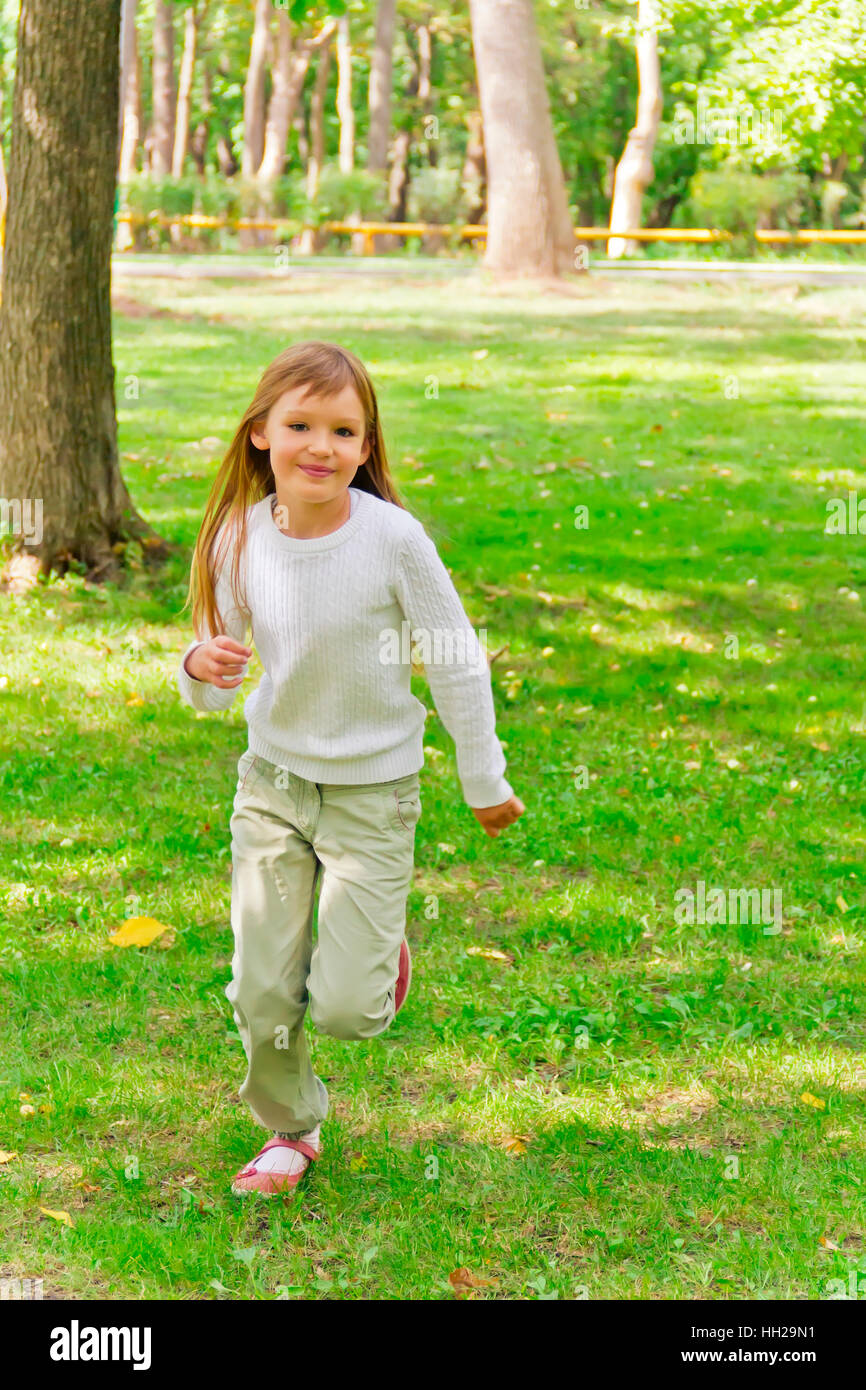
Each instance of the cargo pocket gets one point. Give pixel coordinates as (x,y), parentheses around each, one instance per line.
(405,809)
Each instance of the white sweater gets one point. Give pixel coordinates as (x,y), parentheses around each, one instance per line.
(331,619)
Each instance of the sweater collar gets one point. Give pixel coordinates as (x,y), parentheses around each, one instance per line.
(299,546)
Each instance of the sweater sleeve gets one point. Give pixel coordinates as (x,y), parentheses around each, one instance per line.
(201,695)
(455,666)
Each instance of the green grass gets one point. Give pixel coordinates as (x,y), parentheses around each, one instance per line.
(653,1071)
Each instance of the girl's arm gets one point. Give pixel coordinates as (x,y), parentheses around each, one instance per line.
(202,695)
(460,679)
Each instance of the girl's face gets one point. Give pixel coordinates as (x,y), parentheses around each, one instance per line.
(317,443)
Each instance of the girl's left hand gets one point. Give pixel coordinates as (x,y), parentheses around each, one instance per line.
(496,818)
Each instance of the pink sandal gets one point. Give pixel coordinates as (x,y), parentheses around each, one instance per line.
(249,1179)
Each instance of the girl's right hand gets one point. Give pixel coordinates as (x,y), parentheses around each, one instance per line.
(222,662)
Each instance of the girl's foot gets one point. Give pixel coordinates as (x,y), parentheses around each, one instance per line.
(279,1166)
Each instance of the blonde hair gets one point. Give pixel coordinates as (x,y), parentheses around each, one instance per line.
(246,477)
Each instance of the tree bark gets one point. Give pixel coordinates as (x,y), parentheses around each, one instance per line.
(634,172)
(379,93)
(163,88)
(254,91)
(191,21)
(345,111)
(58,432)
(530,231)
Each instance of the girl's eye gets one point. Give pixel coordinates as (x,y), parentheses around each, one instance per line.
(299,425)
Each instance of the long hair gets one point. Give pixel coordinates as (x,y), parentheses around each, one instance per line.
(246,477)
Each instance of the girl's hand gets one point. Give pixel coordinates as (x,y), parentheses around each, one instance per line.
(220,662)
(496,818)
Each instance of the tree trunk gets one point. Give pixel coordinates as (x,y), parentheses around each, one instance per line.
(345,111)
(288,78)
(4,189)
(163,88)
(474,176)
(184,90)
(310,238)
(290,70)
(634,172)
(129,92)
(58,432)
(379,94)
(530,231)
(299,126)
(130,112)
(398,182)
(199,138)
(254,91)
(425,62)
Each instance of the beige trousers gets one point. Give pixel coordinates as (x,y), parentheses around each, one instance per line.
(290,837)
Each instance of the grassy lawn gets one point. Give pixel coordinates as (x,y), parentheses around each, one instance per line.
(585,1095)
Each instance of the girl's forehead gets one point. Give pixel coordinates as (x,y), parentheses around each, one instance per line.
(306,397)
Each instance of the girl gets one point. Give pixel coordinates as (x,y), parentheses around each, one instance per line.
(305,540)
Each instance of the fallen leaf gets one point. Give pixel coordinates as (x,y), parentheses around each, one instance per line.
(814,1101)
(488,954)
(57,1215)
(7,1155)
(463,1281)
(827,1243)
(515,1143)
(138,931)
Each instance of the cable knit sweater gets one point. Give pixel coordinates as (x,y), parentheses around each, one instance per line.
(331,619)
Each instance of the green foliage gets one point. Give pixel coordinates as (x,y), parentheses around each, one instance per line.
(737,200)
(435,194)
(342,194)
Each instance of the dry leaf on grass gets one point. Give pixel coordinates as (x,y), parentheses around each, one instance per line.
(515,1143)
(464,1282)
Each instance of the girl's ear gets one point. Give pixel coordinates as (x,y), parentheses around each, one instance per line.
(257,437)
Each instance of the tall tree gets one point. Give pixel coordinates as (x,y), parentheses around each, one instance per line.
(529,226)
(309,240)
(192,18)
(58,432)
(345,110)
(379,91)
(130,91)
(162,134)
(254,91)
(634,172)
(289,72)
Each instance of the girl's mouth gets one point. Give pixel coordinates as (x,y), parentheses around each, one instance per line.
(313,472)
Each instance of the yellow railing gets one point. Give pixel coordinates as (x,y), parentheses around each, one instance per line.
(370,230)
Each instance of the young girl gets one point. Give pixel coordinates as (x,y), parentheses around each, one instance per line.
(305,540)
